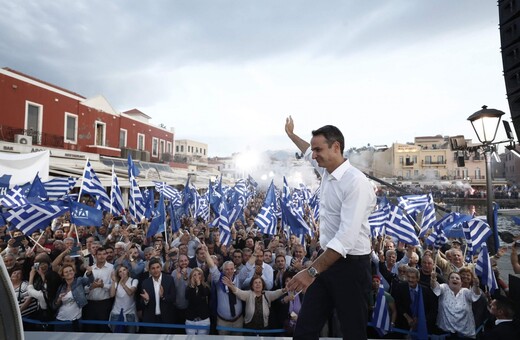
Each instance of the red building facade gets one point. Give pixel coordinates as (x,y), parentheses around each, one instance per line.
(38,113)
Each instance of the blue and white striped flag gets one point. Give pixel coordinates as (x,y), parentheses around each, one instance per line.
(116,198)
(378,219)
(399,226)
(266,219)
(380,315)
(169,192)
(92,185)
(480,232)
(31,217)
(428,216)
(202,208)
(413,203)
(437,238)
(224,226)
(136,204)
(14,198)
(59,187)
(484,270)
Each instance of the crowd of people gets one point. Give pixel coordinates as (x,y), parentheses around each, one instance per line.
(189,283)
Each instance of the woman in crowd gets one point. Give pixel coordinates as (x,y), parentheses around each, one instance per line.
(71,298)
(197,296)
(38,289)
(28,305)
(455,305)
(480,311)
(123,290)
(258,301)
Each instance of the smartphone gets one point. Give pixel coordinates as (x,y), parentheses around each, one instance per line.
(36,265)
(86,261)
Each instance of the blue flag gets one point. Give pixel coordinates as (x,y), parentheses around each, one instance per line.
(37,192)
(83,215)
(158,221)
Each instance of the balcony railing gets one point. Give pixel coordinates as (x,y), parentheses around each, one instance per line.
(8,133)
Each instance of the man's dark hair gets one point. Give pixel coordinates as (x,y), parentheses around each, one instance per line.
(332,134)
(153,261)
(506,306)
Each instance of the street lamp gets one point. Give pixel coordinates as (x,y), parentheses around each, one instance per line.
(485,122)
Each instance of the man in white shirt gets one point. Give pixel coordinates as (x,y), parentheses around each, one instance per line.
(340,278)
(99,302)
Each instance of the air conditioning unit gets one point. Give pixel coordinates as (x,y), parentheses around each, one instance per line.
(23,139)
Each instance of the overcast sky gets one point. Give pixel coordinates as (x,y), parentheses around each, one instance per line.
(227,73)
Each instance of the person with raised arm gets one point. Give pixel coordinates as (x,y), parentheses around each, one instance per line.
(340,278)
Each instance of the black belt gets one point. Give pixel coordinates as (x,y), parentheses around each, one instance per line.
(356,257)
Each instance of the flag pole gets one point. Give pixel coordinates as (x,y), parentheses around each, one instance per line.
(36,242)
(111,192)
(82,180)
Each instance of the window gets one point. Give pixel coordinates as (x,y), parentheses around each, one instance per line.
(33,121)
(204,152)
(465,173)
(99,137)
(155,147)
(416,173)
(182,148)
(140,141)
(161,147)
(401,160)
(176,148)
(71,128)
(428,160)
(477,173)
(169,147)
(440,159)
(122,138)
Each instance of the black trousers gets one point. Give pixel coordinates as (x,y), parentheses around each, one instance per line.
(100,311)
(345,286)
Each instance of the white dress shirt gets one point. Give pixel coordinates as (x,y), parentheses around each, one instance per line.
(104,273)
(157,290)
(346,200)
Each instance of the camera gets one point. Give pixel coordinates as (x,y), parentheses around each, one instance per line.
(36,265)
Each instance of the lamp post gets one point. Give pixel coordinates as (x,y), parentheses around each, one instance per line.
(485,123)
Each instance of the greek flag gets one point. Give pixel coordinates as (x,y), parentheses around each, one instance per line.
(380,315)
(92,185)
(224,226)
(202,208)
(484,270)
(32,217)
(116,198)
(290,215)
(437,238)
(377,221)
(480,231)
(14,198)
(266,218)
(428,216)
(136,200)
(413,203)
(169,192)
(399,226)
(58,187)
